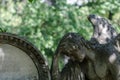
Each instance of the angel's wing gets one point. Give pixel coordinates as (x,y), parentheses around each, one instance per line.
(116,43)
(103,31)
(72,71)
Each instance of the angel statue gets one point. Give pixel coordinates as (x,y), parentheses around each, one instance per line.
(96,59)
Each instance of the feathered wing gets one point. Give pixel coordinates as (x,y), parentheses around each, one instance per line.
(116,43)
(72,71)
(55,65)
(103,31)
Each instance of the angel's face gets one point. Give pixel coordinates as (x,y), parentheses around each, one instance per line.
(78,54)
(74,51)
(72,46)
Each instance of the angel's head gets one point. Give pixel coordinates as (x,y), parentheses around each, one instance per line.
(72,45)
(103,30)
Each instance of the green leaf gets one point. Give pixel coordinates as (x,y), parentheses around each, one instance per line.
(30,0)
(3,30)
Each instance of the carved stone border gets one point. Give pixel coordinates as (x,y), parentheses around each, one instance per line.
(30,50)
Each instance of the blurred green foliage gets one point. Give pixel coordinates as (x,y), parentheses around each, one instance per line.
(44,25)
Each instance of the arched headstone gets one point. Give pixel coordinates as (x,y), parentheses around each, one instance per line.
(20,60)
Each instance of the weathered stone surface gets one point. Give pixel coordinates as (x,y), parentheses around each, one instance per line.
(16,64)
(21,60)
(103,31)
(101,60)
